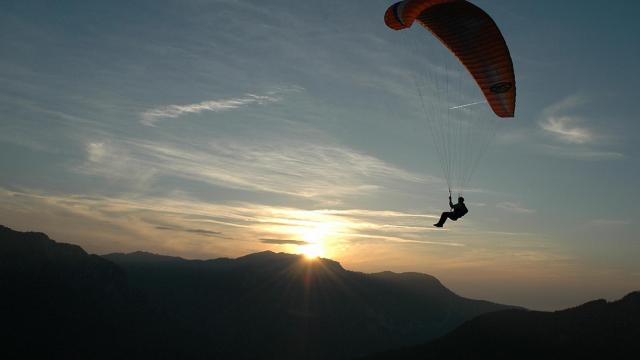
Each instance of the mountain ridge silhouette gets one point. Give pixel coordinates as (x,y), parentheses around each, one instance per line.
(264,305)
(64,303)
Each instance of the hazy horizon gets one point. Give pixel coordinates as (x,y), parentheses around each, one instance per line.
(206,129)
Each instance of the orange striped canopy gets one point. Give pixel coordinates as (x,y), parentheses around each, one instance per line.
(473,37)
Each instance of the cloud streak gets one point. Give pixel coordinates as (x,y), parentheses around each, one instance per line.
(566,129)
(191,231)
(610,222)
(563,127)
(285,166)
(514,208)
(152,116)
(580,153)
(573,138)
(284,242)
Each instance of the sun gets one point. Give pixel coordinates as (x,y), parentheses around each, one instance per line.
(313,237)
(311,251)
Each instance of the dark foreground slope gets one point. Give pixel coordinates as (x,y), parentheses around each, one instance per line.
(597,329)
(59,302)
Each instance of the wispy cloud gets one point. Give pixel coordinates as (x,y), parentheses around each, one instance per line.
(284,242)
(377,213)
(114,161)
(572,133)
(566,128)
(400,240)
(514,208)
(610,222)
(580,153)
(281,165)
(152,116)
(192,231)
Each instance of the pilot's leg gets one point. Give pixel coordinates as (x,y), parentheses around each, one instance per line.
(443,219)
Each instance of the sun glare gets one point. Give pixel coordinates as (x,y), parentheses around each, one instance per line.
(311,251)
(314,238)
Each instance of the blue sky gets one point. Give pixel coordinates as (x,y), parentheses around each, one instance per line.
(218,128)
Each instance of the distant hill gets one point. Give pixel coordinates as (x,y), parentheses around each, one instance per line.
(60,302)
(597,329)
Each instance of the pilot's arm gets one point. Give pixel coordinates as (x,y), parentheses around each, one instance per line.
(450,203)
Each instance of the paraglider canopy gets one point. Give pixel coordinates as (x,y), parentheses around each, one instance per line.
(473,37)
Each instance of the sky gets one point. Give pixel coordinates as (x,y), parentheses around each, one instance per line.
(211,128)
